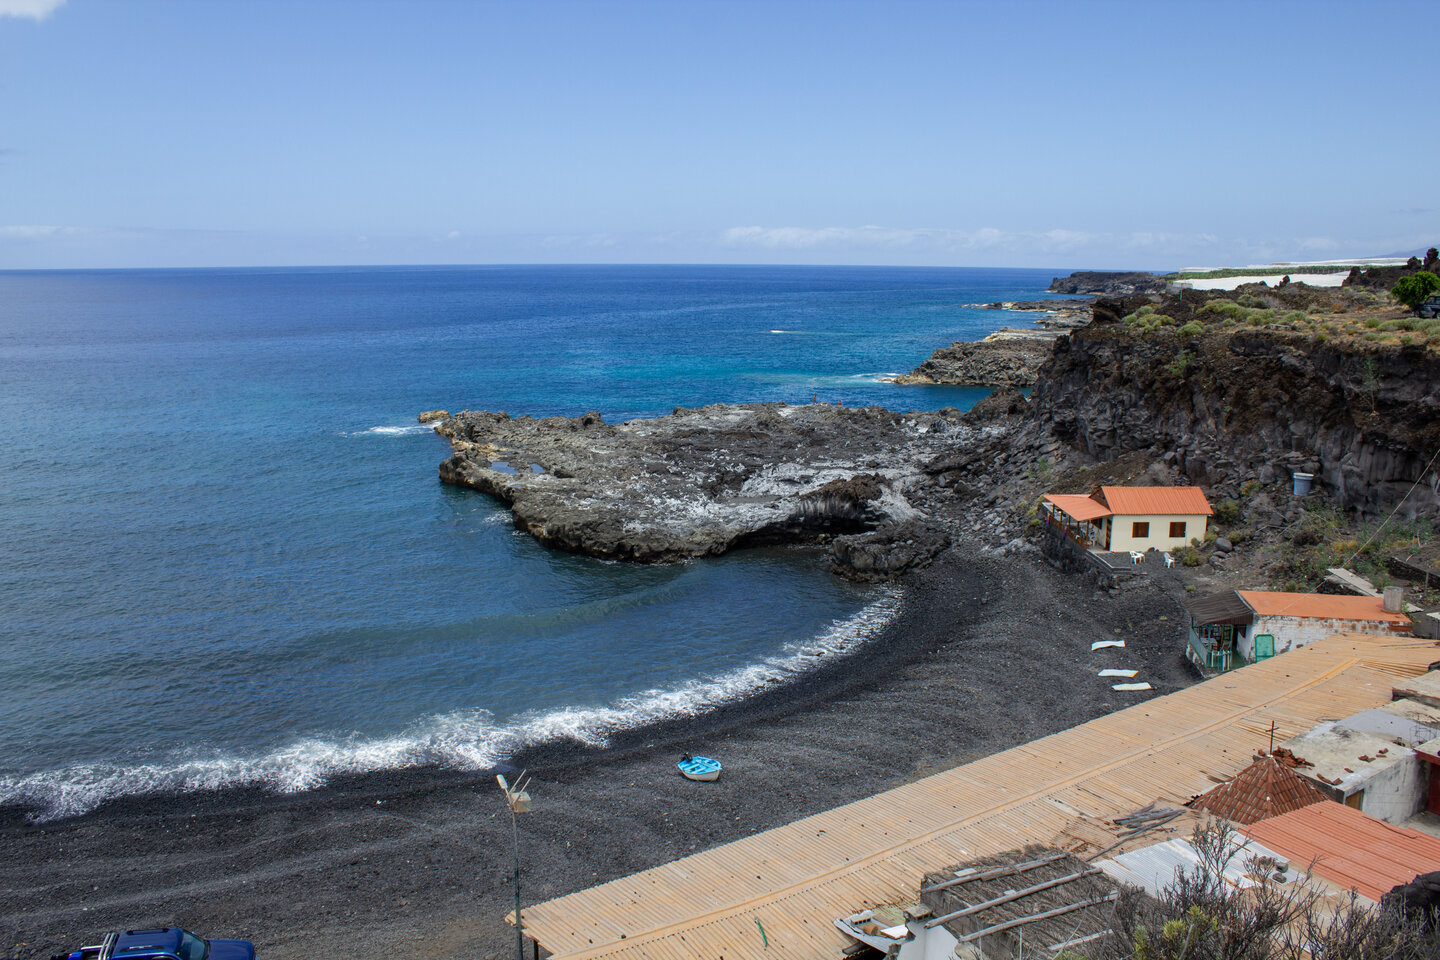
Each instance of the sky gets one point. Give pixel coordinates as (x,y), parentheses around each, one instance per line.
(159,133)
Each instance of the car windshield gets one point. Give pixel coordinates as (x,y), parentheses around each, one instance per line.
(191,947)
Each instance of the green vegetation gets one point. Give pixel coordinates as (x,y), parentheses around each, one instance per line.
(1146,319)
(1324,539)
(1413,290)
(1180,366)
(1259,272)
(1191,329)
(1234,310)
(1202,916)
(1226,512)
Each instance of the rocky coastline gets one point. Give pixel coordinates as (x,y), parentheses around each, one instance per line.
(1108,283)
(984,363)
(703,481)
(1009,357)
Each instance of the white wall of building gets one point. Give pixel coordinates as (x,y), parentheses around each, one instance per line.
(1122,537)
(1397,793)
(1293,632)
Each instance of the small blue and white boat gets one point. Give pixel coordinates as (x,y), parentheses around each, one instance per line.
(699,768)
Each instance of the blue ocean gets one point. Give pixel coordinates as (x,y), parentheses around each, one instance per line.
(227,559)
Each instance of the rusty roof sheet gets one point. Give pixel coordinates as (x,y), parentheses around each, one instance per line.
(1079,506)
(1349,848)
(1140,501)
(798,878)
(1223,607)
(1265,789)
(1324,606)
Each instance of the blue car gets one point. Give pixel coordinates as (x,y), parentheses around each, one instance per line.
(166,943)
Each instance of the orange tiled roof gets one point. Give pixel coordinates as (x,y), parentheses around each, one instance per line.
(1078,505)
(1273,603)
(1139,501)
(1349,848)
(1265,789)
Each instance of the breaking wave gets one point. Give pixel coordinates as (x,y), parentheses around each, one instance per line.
(393,431)
(463,740)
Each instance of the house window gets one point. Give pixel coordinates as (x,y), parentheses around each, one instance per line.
(1177,528)
(1140,528)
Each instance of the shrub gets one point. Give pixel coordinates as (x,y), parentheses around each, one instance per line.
(1250,300)
(1180,366)
(1227,512)
(1413,290)
(1294,316)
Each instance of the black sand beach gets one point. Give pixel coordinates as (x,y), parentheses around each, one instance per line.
(987,653)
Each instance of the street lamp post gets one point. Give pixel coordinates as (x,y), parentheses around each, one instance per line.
(518,800)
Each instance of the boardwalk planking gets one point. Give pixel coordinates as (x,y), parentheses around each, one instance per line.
(797,878)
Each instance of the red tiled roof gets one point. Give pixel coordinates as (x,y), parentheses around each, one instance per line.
(1262,790)
(1078,505)
(1349,848)
(1140,501)
(1324,606)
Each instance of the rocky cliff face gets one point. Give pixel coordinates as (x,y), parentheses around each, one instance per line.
(1107,283)
(1234,405)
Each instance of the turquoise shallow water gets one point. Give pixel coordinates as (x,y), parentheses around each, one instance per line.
(227,558)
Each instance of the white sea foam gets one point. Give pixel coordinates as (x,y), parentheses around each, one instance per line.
(466,740)
(393,431)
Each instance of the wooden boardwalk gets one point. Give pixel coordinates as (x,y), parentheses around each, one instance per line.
(795,880)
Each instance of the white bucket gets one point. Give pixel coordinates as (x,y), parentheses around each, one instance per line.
(1302,483)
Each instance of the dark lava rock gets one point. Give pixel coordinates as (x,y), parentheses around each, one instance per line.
(703,481)
(985,363)
(1108,283)
(1002,402)
(886,552)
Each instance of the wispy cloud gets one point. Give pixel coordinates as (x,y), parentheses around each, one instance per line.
(1016,246)
(39,232)
(930,238)
(29,9)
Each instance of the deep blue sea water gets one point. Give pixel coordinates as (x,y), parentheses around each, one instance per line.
(225,556)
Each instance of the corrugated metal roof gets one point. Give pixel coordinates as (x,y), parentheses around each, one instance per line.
(1323,606)
(1350,848)
(1262,790)
(1079,506)
(1157,866)
(798,878)
(1139,501)
(1223,607)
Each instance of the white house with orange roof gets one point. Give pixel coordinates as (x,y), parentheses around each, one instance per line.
(1132,518)
(1236,627)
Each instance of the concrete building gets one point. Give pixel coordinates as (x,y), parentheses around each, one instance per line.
(1381,761)
(1236,627)
(1132,518)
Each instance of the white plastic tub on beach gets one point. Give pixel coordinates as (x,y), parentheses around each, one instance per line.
(1102,644)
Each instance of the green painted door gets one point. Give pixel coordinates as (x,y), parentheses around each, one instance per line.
(1264,646)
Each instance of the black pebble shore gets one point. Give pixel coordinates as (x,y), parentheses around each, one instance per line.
(986,653)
